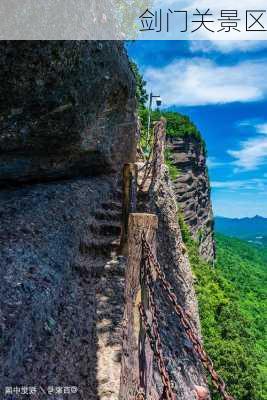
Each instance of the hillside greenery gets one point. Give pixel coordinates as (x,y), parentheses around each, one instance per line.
(178,125)
(174,172)
(232,303)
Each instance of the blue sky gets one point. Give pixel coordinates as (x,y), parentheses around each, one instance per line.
(222,86)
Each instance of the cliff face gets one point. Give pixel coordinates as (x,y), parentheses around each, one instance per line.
(66,109)
(183,365)
(67,118)
(192,191)
(52,254)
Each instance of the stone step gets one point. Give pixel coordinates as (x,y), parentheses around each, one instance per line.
(112,205)
(107,215)
(118,194)
(106,228)
(100,246)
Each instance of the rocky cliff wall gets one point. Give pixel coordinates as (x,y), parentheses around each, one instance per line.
(185,369)
(52,255)
(67,124)
(67,108)
(192,190)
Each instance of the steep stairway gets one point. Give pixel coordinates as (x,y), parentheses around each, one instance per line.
(110,301)
(90,321)
(104,229)
(108,272)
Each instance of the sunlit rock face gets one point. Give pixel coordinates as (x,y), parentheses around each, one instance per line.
(66,109)
(192,189)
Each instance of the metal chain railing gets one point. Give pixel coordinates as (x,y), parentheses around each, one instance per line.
(185,318)
(156,155)
(156,344)
(147,171)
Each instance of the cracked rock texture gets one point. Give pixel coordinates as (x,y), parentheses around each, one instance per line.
(192,190)
(53,252)
(185,369)
(67,125)
(67,108)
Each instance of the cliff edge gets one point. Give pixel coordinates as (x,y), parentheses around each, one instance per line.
(192,190)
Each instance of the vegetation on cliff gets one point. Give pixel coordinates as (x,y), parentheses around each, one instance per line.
(232,303)
(141,93)
(178,125)
(174,172)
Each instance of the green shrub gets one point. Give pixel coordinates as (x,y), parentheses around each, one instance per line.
(174,172)
(178,125)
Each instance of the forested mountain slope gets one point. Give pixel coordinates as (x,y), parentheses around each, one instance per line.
(232,302)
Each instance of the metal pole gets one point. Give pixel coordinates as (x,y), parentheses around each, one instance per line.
(149,118)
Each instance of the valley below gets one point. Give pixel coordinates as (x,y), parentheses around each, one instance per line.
(232,300)
(252,230)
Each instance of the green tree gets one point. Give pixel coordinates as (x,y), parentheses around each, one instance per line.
(141,93)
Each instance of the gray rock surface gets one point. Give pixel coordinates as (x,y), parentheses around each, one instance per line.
(67,125)
(192,190)
(67,108)
(55,241)
(183,366)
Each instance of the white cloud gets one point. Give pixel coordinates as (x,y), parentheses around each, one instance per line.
(248,122)
(262,128)
(252,152)
(200,81)
(235,206)
(226,46)
(246,184)
(251,155)
(258,125)
(232,185)
(213,163)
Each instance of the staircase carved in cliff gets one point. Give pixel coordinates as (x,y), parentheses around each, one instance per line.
(109,268)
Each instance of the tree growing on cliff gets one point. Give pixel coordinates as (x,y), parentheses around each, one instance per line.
(141,93)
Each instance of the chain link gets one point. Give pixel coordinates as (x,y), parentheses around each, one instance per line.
(148,168)
(140,395)
(186,321)
(155,344)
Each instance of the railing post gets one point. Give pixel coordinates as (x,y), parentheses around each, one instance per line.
(159,148)
(129,199)
(137,356)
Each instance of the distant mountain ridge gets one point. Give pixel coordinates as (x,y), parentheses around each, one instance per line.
(252,229)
